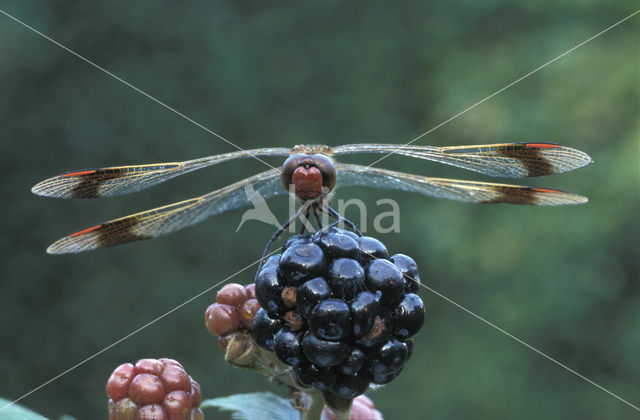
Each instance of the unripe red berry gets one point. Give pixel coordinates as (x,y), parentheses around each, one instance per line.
(177,405)
(167,361)
(146,389)
(125,409)
(366,401)
(153,390)
(196,394)
(175,379)
(361,409)
(248,312)
(222,319)
(152,366)
(232,294)
(250,291)
(152,412)
(119,381)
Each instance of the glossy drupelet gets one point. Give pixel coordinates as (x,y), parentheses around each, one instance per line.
(339,310)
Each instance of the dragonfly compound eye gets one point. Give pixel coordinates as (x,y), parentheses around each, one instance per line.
(308,174)
(327,168)
(288,167)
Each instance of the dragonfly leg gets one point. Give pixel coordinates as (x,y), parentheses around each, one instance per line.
(304,222)
(316,213)
(339,218)
(278,232)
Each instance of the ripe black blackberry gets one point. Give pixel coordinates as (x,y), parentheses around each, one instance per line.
(339,310)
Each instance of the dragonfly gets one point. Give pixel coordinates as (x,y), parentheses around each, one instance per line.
(314,171)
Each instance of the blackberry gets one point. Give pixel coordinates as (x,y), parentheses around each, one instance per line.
(286,345)
(387,359)
(330,319)
(384,276)
(338,309)
(264,329)
(294,321)
(378,334)
(292,239)
(302,260)
(371,249)
(269,291)
(346,278)
(335,244)
(350,386)
(324,353)
(310,375)
(353,362)
(153,389)
(364,310)
(385,379)
(409,270)
(408,316)
(310,293)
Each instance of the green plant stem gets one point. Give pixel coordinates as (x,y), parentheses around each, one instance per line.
(341,407)
(314,411)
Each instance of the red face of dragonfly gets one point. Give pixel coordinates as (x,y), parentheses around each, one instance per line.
(306,175)
(309,169)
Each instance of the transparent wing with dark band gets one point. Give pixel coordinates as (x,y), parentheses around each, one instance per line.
(162,220)
(452,189)
(509,160)
(117,180)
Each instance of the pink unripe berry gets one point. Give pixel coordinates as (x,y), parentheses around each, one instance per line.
(152,412)
(118,383)
(248,312)
(152,366)
(175,378)
(250,291)
(146,389)
(232,294)
(222,319)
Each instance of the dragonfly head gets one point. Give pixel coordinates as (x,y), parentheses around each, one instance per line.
(306,175)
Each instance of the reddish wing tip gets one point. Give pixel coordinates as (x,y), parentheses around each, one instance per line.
(80,232)
(78,173)
(543,145)
(548,190)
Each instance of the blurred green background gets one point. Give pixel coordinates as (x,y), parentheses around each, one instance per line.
(564,280)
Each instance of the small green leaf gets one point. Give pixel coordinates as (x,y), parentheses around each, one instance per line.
(258,405)
(17,412)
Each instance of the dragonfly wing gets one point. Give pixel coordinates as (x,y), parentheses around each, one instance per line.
(452,189)
(509,160)
(117,180)
(162,220)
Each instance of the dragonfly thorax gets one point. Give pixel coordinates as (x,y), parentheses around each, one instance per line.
(306,175)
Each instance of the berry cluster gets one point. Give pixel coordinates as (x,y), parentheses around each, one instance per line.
(153,389)
(339,310)
(235,308)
